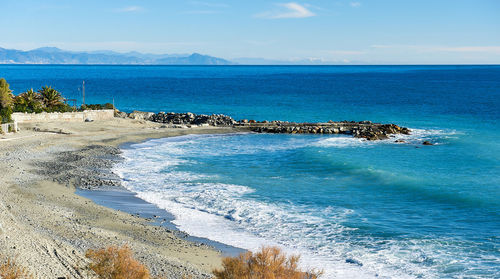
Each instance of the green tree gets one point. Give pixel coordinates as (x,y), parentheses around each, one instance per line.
(6,100)
(51,98)
(29,101)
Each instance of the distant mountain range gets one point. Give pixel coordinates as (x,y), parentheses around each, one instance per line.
(53,55)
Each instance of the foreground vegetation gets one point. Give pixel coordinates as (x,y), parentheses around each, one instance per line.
(115,262)
(268,263)
(9,269)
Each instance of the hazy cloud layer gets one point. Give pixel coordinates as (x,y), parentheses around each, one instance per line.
(129,9)
(287,10)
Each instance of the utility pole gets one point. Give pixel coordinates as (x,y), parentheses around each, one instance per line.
(83,91)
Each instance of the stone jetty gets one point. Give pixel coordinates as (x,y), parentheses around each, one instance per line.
(362,129)
(192,119)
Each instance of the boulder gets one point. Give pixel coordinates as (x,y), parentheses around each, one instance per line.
(120,114)
(140,115)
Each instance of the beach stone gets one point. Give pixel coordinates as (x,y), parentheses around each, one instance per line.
(353,261)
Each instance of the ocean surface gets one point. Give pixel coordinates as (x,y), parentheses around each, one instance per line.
(353,208)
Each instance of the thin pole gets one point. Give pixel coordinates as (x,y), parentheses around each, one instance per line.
(83,90)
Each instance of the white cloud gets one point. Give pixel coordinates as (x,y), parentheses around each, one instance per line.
(288,10)
(130,9)
(431,48)
(355,4)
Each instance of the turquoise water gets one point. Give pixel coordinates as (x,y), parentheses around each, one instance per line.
(356,209)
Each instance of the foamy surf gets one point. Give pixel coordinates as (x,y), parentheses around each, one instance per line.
(173,174)
(416,137)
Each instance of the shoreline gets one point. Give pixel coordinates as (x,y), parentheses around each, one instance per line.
(47,226)
(126,201)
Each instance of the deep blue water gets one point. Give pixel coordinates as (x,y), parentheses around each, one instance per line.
(400,210)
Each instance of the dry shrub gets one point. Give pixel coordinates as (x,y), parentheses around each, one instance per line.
(9,269)
(268,263)
(116,263)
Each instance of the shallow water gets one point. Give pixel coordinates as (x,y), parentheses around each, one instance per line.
(357,209)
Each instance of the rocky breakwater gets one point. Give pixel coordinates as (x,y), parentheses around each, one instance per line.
(192,119)
(180,119)
(362,129)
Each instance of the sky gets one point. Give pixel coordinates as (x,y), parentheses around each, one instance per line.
(337,32)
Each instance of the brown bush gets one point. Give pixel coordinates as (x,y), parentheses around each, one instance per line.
(116,263)
(268,263)
(9,269)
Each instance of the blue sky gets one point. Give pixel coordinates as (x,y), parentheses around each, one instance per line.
(360,31)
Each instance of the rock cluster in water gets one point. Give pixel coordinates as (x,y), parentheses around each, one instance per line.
(362,129)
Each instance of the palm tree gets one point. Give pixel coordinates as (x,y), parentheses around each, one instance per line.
(29,101)
(30,96)
(50,97)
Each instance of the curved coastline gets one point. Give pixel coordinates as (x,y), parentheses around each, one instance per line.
(48,227)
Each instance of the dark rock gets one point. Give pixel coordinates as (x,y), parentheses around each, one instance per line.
(353,261)
(427,143)
(188,119)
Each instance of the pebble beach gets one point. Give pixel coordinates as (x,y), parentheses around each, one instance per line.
(47,228)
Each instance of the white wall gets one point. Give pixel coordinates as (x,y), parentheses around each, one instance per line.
(80,116)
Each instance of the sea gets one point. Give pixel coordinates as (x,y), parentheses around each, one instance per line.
(350,207)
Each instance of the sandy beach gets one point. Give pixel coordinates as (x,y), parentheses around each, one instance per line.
(47,228)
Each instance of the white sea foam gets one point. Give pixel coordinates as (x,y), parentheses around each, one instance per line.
(227,213)
(417,136)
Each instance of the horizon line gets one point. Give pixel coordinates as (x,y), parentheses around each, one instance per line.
(237,65)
